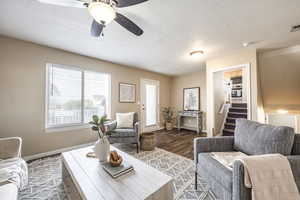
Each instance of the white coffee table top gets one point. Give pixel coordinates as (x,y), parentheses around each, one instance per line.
(92,182)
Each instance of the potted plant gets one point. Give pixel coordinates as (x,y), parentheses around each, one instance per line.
(101,148)
(169,117)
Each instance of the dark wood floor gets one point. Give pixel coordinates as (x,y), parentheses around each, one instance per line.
(177,142)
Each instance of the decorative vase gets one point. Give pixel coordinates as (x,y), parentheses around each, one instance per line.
(169,126)
(102,149)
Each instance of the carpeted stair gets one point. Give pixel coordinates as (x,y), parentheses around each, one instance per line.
(236,111)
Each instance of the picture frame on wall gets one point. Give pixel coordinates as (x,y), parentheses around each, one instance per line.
(127,93)
(191,99)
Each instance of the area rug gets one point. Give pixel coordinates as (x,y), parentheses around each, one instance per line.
(45,181)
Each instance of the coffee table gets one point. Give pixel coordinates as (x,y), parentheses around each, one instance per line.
(84,178)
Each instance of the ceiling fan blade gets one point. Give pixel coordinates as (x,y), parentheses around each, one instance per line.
(126,3)
(96,29)
(67,3)
(128,24)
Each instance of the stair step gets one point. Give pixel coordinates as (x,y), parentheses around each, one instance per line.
(237,115)
(230,126)
(227,132)
(230,120)
(238,110)
(241,105)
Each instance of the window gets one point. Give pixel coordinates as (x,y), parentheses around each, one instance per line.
(75,95)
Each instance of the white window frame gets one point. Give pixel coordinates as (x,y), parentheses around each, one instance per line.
(80,125)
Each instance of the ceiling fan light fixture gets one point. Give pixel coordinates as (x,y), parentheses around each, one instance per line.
(103,13)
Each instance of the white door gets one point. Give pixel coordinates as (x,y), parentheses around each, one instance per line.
(149,105)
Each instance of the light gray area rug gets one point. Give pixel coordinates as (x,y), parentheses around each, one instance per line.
(45,176)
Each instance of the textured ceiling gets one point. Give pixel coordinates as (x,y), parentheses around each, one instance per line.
(172,29)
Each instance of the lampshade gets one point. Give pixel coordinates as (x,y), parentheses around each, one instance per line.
(103,13)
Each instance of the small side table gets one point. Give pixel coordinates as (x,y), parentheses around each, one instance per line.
(148,141)
(198,115)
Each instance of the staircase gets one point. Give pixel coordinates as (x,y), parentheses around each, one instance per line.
(236,111)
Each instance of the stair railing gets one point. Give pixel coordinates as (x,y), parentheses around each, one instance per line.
(224,109)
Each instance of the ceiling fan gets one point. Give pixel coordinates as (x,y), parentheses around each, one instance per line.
(103,12)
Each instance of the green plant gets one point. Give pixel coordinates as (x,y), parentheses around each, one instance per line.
(168,114)
(98,124)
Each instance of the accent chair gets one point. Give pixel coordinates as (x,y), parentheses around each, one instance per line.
(125,135)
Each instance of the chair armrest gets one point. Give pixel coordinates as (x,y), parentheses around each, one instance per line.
(239,190)
(10,147)
(212,144)
(111,125)
(137,130)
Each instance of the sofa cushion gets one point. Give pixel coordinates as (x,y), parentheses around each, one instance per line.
(254,138)
(9,191)
(295,166)
(122,132)
(213,171)
(296,146)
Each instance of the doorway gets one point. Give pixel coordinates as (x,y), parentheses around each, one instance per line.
(231,98)
(149,105)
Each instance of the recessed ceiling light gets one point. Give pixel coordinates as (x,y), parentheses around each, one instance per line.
(196,53)
(280,111)
(246,44)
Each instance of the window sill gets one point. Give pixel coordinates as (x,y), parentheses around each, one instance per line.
(66,128)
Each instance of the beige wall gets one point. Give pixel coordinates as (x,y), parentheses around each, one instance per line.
(280,72)
(22,89)
(196,79)
(220,97)
(246,56)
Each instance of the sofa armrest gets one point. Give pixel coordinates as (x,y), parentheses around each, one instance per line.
(212,144)
(294,161)
(110,126)
(10,147)
(239,190)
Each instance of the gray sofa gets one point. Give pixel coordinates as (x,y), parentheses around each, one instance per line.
(251,138)
(125,135)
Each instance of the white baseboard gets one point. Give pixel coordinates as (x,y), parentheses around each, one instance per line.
(49,153)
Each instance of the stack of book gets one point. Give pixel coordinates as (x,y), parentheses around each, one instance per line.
(116,172)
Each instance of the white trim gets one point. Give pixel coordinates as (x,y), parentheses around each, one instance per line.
(231,68)
(142,97)
(289,50)
(224,120)
(82,124)
(247,68)
(67,128)
(50,153)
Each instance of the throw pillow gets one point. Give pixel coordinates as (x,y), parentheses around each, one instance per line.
(125,120)
(254,138)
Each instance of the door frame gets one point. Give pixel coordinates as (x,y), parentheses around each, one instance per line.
(247,68)
(156,127)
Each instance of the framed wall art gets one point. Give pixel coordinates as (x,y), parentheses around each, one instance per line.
(191,99)
(127,93)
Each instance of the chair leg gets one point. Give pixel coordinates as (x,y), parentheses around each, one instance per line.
(137,148)
(196,184)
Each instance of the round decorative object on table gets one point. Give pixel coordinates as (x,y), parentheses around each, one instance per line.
(148,141)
